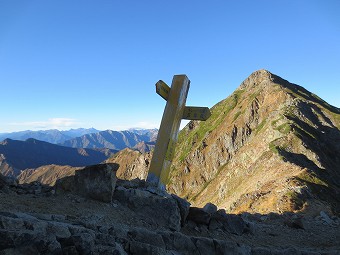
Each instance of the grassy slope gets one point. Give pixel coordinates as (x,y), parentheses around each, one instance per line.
(265,162)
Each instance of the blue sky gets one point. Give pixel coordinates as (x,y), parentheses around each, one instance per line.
(80,63)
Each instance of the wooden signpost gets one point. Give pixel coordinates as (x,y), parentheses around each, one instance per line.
(175,110)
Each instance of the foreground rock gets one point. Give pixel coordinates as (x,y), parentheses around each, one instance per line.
(57,234)
(164,208)
(97,182)
(34,219)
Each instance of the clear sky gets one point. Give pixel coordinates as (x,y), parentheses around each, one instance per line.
(93,63)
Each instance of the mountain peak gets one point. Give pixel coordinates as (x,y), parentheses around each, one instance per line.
(262,72)
(224,160)
(256,78)
(261,77)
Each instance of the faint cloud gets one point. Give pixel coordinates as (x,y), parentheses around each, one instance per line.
(147,125)
(140,124)
(62,122)
(53,123)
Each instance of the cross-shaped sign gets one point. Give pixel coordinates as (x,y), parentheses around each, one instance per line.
(175,110)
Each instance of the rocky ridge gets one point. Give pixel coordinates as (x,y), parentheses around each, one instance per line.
(139,219)
(144,147)
(133,164)
(47,175)
(271,146)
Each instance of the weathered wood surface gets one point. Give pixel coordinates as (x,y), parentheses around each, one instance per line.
(168,131)
(175,110)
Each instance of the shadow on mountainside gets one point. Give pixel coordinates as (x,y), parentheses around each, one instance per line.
(321,174)
(319,181)
(304,93)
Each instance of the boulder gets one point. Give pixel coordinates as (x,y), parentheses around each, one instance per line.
(210,208)
(215,224)
(65,184)
(198,215)
(58,229)
(84,243)
(294,222)
(96,182)
(162,210)
(232,223)
(179,242)
(146,236)
(183,206)
(204,245)
(139,248)
(229,247)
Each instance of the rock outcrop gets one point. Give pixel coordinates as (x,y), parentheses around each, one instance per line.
(133,164)
(47,175)
(34,219)
(96,182)
(271,146)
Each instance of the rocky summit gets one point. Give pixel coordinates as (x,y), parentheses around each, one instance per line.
(93,212)
(271,146)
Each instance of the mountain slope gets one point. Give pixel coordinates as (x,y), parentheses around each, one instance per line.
(20,155)
(149,134)
(132,164)
(117,140)
(144,147)
(271,146)
(47,175)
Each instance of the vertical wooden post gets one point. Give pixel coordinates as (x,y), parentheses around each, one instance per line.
(168,131)
(175,110)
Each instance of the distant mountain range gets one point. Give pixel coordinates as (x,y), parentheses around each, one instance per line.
(16,156)
(117,140)
(39,148)
(150,133)
(51,136)
(142,139)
